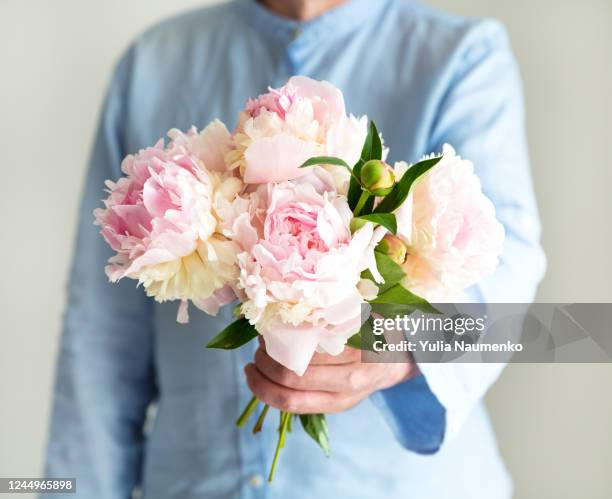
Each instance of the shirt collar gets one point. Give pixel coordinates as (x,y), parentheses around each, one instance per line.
(335,22)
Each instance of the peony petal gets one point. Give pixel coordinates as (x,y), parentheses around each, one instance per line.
(328,93)
(244,233)
(291,346)
(278,158)
(367,289)
(368,260)
(212,145)
(333,339)
(403,216)
(349,307)
(219,298)
(345,138)
(182,316)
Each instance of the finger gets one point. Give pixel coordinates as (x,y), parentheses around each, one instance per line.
(347,356)
(325,377)
(295,401)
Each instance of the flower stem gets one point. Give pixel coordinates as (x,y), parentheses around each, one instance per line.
(260,419)
(246,414)
(362,201)
(285,418)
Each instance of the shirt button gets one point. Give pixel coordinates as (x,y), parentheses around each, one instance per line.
(296,33)
(256,481)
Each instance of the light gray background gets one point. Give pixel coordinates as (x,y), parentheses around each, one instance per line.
(553,422)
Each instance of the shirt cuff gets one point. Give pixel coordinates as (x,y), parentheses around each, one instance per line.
(458,388)
(414,413)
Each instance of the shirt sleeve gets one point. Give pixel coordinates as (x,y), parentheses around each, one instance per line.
(481,115)
(104,375)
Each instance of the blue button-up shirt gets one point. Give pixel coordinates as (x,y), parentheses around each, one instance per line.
(426,78)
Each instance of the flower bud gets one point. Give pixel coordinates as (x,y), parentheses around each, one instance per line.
(377,177)
(394,248)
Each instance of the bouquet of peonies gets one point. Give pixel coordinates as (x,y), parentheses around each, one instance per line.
(297,215)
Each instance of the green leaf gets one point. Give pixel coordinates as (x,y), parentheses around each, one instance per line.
(387,220)
(376,143)
(366,150)
(355,188)
(235,335)
(398,295)
(365,338)
(368,206)
(400,192)
(354,341)
(372,147)
(325,160)
(392,309)
(315,426)
(391,272)
(331,160)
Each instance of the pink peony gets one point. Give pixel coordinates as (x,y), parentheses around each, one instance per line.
(455,239)
(161,219)
(300,269)
(281,129)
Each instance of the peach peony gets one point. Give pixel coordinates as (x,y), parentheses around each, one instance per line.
(281,129)
(455,239)
(294,239)
(161,220)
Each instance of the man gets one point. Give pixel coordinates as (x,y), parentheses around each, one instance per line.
(426,78)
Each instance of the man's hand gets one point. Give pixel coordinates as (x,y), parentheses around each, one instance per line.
(330,384)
